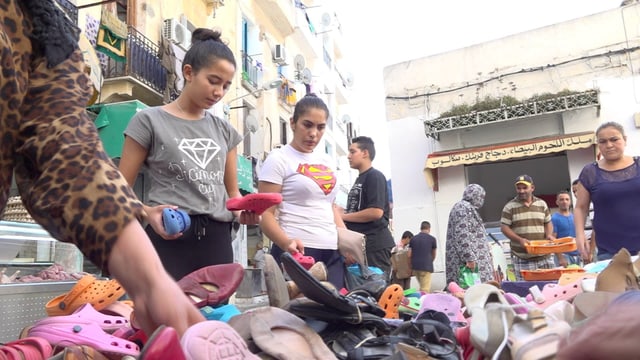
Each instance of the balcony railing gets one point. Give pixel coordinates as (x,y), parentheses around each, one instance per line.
(251,70)
(69,9)
(142,62)
(561,103)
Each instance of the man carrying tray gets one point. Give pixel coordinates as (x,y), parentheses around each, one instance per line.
(526,218)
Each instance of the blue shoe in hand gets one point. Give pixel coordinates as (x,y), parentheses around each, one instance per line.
(175,221)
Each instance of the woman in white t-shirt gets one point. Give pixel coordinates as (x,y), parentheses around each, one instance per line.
(306,221)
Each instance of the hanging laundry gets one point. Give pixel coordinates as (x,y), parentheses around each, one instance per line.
(112,36)
(168,60)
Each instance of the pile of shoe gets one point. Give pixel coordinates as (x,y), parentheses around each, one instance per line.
(562,321)
(365,322)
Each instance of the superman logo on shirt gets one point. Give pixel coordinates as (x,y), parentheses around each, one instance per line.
(320,174)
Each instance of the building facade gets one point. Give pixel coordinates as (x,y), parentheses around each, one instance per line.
(284,49)
(524,104)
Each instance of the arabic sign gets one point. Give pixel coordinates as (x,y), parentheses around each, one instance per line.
(510,151)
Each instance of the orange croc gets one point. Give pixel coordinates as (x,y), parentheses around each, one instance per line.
(98,293)
(390,301)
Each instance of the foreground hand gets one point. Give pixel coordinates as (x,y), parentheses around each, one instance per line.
(249,218)
(295,245)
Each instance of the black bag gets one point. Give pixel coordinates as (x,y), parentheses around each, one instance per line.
(355,282)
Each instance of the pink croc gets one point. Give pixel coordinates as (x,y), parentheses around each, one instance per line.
(108,323)
(256,203)
(554,292)
(306,261)
(65,331)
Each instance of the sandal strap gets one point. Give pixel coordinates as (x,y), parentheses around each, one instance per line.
(537,319)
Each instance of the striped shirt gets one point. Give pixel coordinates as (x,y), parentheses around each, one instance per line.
(526,221)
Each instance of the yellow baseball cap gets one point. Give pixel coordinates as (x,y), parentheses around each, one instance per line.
(524,179)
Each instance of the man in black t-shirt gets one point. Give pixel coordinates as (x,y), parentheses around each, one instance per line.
(422,251)
(367,208)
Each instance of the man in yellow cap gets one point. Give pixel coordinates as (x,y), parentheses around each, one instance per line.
(524,218)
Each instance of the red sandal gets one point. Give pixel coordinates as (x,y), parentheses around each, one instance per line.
(212,285)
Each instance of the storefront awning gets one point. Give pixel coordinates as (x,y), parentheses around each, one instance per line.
(500,152)
(510,151)
(111,122)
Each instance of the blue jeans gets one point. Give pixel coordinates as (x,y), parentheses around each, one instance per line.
(573,258)
(603,256)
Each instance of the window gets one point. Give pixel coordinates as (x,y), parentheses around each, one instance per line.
(283,131)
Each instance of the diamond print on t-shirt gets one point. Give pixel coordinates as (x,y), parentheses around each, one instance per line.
(201,151)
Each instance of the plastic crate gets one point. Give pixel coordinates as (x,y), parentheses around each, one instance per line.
(543,247)
(547,274)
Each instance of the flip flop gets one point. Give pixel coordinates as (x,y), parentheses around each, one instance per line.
(214,340)
(257,203)
(164,343)
(287,337)
(212,285)
(64,331)
(98,293)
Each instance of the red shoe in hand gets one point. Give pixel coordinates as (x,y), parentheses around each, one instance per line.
(256,203)
(306,261)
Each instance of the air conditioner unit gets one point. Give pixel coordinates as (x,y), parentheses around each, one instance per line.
(177,33)
(279,56)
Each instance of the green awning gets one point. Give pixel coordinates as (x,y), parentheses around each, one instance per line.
(245,175)
(111,122)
